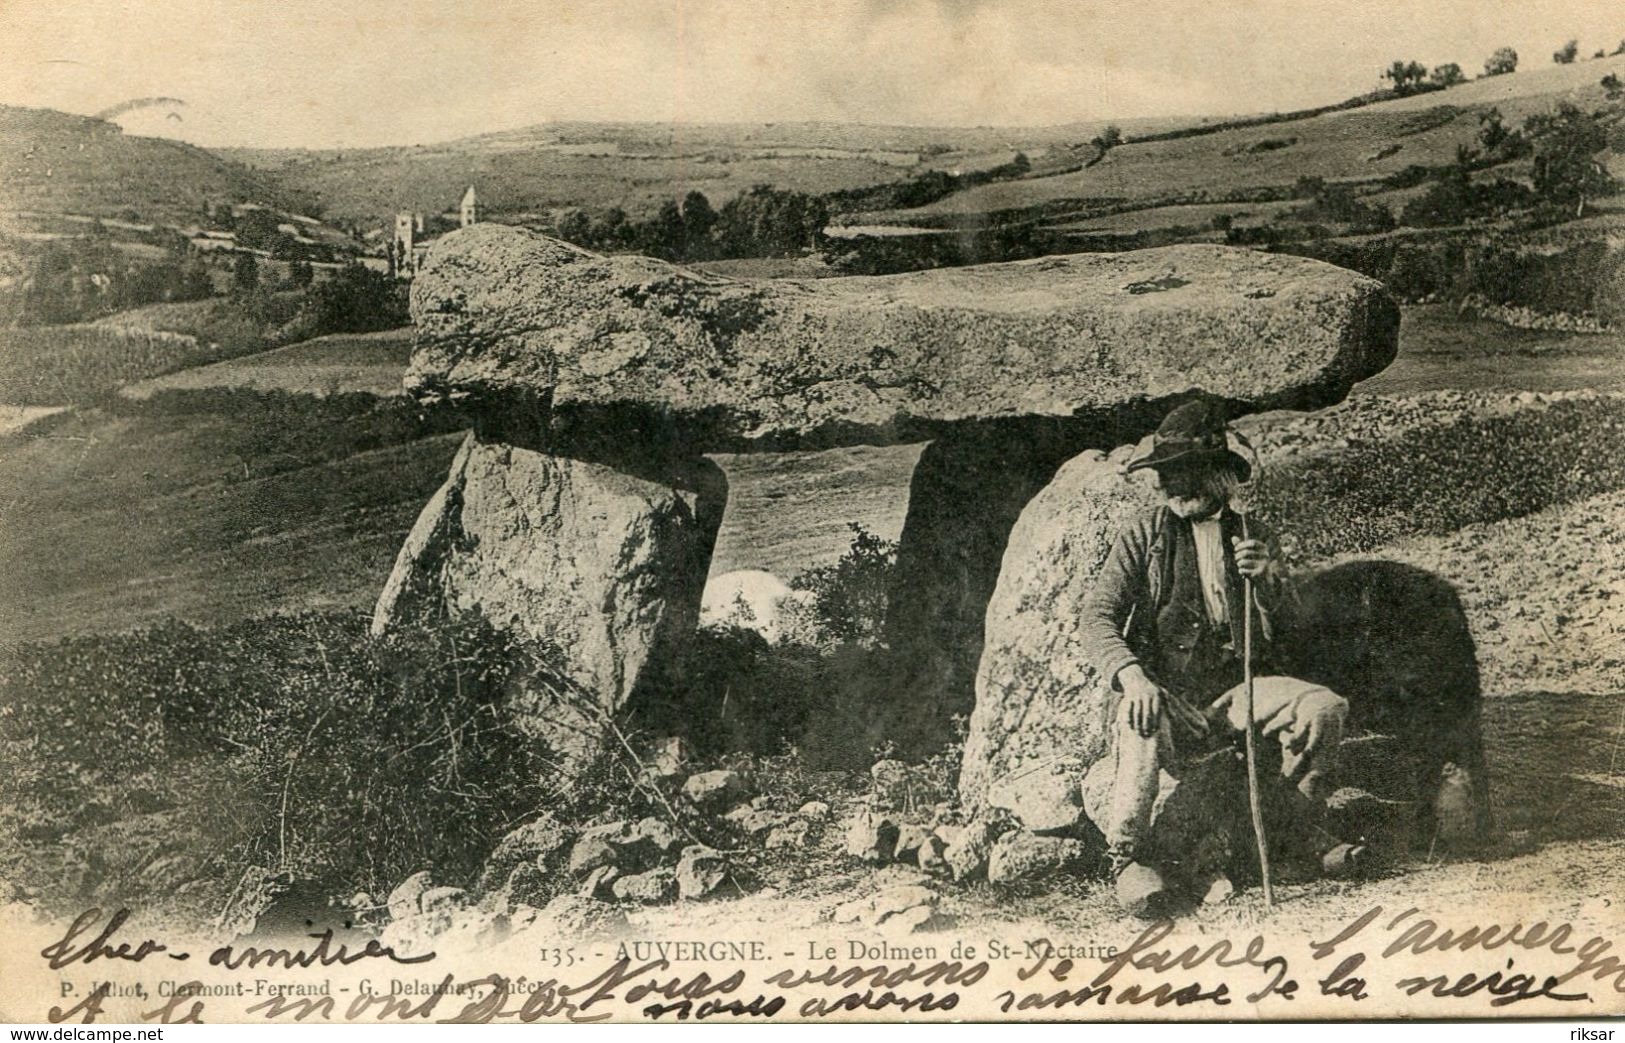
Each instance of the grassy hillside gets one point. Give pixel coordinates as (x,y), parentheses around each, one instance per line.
(59,163)
(637,166)
(111,522)
(1356,144)
(372,363)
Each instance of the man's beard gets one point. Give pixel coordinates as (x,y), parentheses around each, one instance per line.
(1194,507)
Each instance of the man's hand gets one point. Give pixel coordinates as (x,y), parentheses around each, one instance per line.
(1253,557)
(1143,698)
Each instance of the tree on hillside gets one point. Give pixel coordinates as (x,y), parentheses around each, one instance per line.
(245,272)
(574,226)
(1567,172)
(1448,75)
(1620,49)
(662,236)
(1492,130)
(1611,83)
(1567,53)
(610,230)
(770,222)
(698,219)
(1109,138)
(1407,76)
(356,300)
(1503,61)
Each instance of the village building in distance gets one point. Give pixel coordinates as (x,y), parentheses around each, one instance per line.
(412,236)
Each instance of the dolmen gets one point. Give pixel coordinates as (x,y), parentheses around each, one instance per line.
(582,509)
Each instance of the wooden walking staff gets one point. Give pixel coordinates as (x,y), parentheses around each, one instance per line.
(1254,803)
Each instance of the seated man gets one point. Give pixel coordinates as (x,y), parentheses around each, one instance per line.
(1163,625)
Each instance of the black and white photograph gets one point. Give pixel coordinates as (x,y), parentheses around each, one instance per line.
(892,511)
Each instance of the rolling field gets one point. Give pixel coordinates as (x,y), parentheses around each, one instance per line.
(371,363)
(61,365)
(112,522)
(521,173)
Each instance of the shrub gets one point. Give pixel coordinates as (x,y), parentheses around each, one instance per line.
(80,279)
(1503,61)
(849,597)
(357,761)
(355,300)
(1337,203)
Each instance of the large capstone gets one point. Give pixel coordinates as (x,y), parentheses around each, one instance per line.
(549,343)
(601,569)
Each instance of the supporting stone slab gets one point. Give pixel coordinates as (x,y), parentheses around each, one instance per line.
(600,568)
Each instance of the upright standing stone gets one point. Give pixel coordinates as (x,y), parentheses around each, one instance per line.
(601,569)
(1038,696)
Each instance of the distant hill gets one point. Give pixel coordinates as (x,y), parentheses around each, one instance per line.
(59,163)
(636,166)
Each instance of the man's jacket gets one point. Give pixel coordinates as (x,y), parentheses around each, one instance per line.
(1146,607)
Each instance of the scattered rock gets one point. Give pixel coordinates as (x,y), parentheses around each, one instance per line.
(528,884)
(670,757)
(1219,891)
(1045,797)
(274,905)
(700,871)
(653,887)
(910,837)
(406,900)
(791,835)
(541,841)
(814,811)
(754,821)
(715,787)
(616,832)
(1020,855)
(588,854)
(436,899)
(647,843)
(968,852)
(931,856)
(871,836)
(598,882)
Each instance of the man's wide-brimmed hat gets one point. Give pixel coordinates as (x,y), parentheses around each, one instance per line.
(1192,432)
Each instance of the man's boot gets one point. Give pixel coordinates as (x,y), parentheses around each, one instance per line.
(1141,890)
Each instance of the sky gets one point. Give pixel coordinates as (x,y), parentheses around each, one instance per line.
(349,73)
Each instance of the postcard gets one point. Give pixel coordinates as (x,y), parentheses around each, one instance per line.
(884,510)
